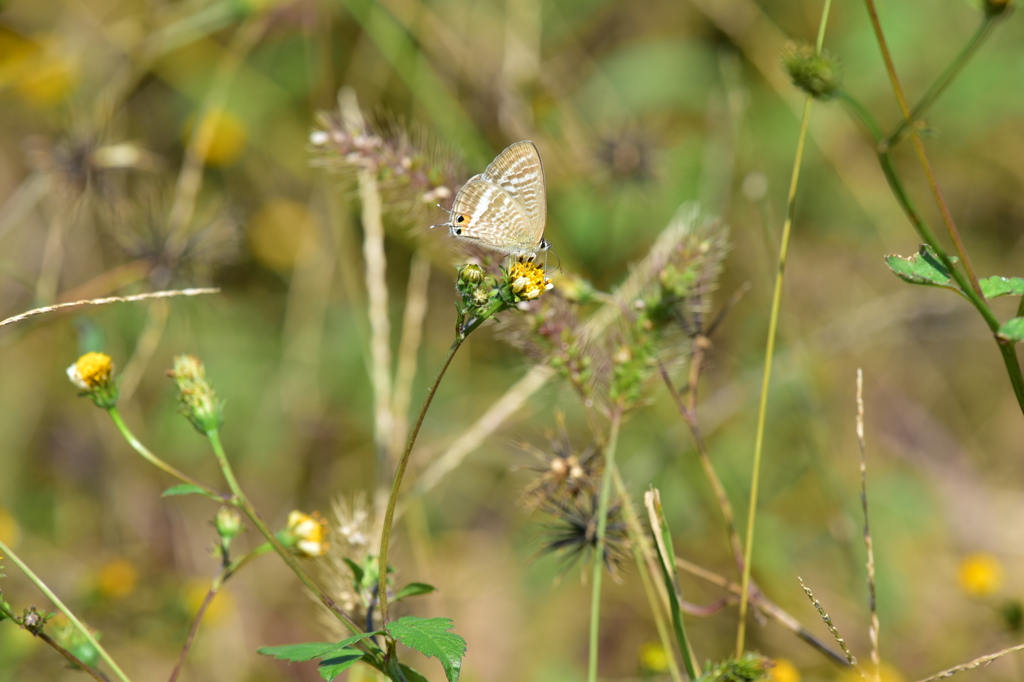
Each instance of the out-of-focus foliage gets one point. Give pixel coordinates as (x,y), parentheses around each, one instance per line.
(149,145)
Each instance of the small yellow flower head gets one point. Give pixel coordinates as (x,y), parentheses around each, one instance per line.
(93,373)
(528,280)
(197,399)
(981,575)
(784,671)
(306,534)
(653,658)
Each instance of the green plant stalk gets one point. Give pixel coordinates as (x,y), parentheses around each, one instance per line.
(154,460)
(885,160)
(218,582)
(602,528)
(70,657)
(773,324)
(666,561)
(403,463)
(242,502)
(901,99)
(63,609)
(942,82)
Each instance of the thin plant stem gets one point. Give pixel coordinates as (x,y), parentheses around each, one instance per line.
(942,82)
(688,413)
(901,99)
(242,502)
(218,582)
(982,660)
(416,304)
(1006,348)
(832,628)
(68,656)
(765,384)
(163,466)
(105,301)
(876,660)
(403,463)
(65,610)
(602,527)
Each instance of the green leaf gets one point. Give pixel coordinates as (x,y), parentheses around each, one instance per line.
(431,637)
(924,267)
(410,674)
(991,287)
(357,570)
(188,489)
(332,667)
(298,652)
(413,590)
(1013,330)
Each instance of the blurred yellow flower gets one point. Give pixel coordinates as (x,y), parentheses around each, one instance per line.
(308,532)
(653,657)
(9,531)
(277,230)
(784,671)
(219,608)
(39,70)
(886,672)
(980,575)
(117,579)
(227,136)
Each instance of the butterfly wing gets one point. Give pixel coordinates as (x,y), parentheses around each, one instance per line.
(519,171)
(485,213)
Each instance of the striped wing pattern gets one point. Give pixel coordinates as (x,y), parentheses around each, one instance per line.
(504,208)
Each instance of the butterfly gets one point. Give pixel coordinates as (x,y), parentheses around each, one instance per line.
(505,207)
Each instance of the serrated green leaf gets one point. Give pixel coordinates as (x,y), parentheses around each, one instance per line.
(991,287)
(188,489)
(298,652)
(413,590)
(1013,330)
(432,638)
(330,668)
(924,267)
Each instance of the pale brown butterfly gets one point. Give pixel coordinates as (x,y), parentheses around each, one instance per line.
(505,207)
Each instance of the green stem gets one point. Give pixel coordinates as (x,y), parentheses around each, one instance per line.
(242,502)
(602,527)
(65,610)
(885,160)
(769,354)
(154,460)
(70,657)
(403,463)
(942,82)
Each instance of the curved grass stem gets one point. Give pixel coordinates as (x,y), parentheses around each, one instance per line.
(403,463)
(602,527)
(84,631)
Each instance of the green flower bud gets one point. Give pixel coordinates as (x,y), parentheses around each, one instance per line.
(819,75)
(197,399)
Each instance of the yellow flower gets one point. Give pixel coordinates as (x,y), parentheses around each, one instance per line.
(91,371)
(980,575)
(117,578)
(308,533)
(653,657)
(94,374)
(218,609)
(784,671)
(226,134)
(528,280)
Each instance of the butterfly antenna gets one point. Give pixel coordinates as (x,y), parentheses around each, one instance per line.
(559,260)
(449,217)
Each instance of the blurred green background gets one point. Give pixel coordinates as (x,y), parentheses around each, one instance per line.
(636,108)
